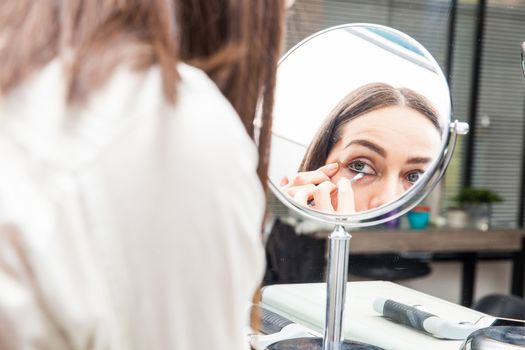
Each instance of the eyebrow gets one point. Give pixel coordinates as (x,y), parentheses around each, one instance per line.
(370,145)
(419,160)
(382,152)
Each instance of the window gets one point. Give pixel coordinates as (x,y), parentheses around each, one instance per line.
(487,85)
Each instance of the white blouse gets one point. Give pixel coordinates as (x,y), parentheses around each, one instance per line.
(126,223)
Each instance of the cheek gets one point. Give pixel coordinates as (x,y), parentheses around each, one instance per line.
(365,192)
(361,198)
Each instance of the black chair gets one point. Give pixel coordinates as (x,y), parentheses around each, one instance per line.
(293,258)
(501,305)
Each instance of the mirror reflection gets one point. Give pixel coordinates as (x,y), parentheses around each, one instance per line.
(360,117)
(373,146)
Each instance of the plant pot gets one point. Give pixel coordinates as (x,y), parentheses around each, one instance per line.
(457,218)
(419,217)
(392,224)
(479,215)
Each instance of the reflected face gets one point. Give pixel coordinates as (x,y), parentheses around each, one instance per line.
(391,146)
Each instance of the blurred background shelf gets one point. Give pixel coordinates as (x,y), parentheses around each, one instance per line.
(466,246)
(438,240)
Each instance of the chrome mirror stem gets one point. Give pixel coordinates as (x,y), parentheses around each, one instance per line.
(337,276)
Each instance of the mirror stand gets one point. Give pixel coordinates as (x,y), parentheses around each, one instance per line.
(330,58)
(337,276)
(336,281)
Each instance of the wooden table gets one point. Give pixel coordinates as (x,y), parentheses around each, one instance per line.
(467,246)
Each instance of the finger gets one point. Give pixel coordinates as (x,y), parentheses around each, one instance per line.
(316,176)
(329,169)
(302,196)
(284,181)
(322,197)
(292,191)
(345,197)
(308,177)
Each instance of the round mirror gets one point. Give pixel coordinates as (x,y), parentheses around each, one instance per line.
(361,125)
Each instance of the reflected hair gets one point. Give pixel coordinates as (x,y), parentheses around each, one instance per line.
(365,99)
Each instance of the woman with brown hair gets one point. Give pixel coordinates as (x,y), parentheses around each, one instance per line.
(386,136)
(131,194)
(389,135)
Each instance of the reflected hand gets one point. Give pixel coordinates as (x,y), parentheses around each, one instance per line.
(315,189)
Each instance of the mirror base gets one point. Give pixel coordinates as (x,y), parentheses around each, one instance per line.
(317,344)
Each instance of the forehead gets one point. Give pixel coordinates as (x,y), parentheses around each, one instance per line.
(403,132)
(392,120)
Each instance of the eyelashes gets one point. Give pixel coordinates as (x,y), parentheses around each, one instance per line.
(414,175)
(363,166)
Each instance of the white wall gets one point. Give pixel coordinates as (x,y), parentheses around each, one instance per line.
(445,280)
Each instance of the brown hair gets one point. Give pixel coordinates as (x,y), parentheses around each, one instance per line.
(365,99)
(236,42)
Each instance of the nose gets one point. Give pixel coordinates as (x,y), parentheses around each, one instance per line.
(388,190)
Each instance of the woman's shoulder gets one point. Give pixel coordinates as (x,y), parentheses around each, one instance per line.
(35,114)
(198,92)
(204,111)
(200,111)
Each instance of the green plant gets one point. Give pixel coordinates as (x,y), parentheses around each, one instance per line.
(473,195)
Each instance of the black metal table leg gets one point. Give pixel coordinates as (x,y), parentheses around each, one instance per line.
(518,271)
(468,278)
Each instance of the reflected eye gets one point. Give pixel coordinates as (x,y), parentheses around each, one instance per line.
(413,176)
(360,166)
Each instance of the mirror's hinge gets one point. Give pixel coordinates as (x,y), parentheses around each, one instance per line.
(462,128)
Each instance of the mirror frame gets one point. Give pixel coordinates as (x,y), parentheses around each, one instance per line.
(418,191)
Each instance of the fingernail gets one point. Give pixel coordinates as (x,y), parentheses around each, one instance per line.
(332,166)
